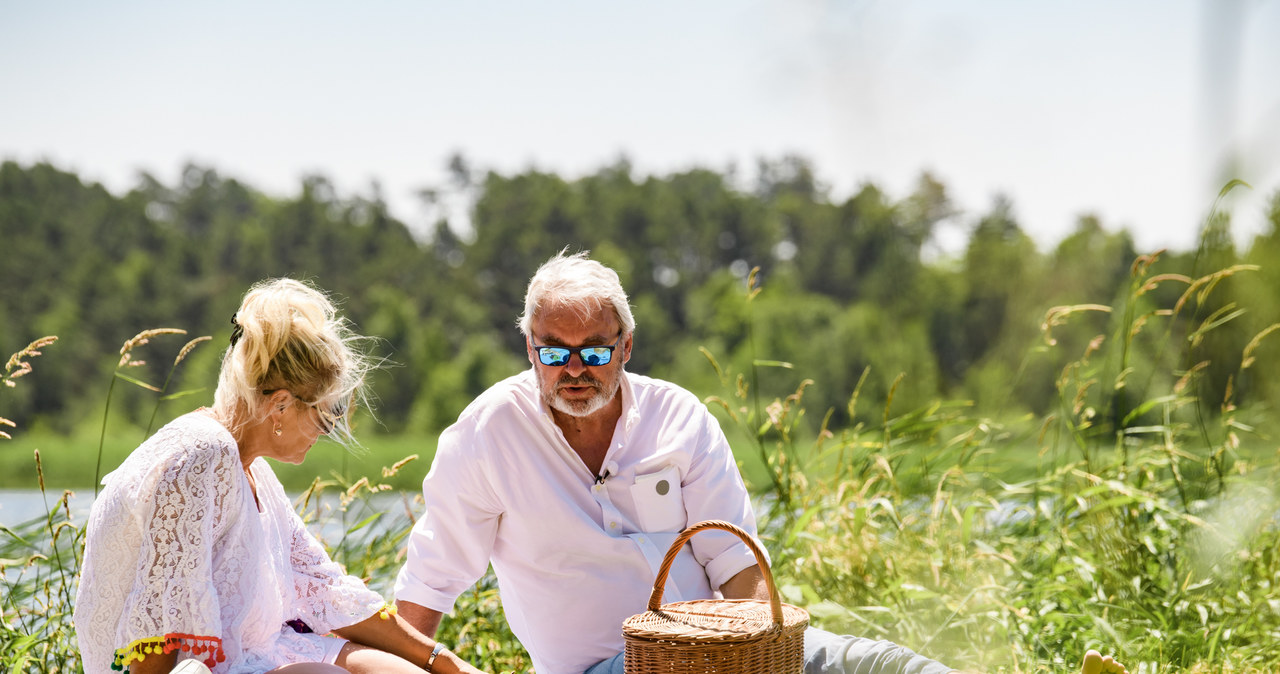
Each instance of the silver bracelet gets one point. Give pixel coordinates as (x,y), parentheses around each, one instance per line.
(431,661)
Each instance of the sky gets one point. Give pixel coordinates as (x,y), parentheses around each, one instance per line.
(1135,111)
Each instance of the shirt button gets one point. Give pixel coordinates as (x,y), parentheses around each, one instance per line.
(613,525)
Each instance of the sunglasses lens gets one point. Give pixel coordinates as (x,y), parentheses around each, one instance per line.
(556,356)
(596,355)
(553,356)
(330,417)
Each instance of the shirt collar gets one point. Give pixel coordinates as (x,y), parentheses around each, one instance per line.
(630,411)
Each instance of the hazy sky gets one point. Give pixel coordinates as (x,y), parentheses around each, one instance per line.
(1129,110)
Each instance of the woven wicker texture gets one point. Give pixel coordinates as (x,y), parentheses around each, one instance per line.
(725,636)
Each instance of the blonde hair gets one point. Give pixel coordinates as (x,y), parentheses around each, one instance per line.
(579,283)
(288,335)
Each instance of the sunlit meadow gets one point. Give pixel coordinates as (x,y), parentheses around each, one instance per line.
(1134,519)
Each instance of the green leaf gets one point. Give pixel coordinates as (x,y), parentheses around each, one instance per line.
(364,523)
(1146,407)
(914,591)
(183,394)
(801,523)
(137,382)
(1231,185)
(966,526)
(12,534)
(827,609)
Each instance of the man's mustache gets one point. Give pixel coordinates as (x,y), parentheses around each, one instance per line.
(583,380)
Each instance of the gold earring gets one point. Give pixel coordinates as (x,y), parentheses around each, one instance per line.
(279,430)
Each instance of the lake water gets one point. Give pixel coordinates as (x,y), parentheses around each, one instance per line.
(21,505)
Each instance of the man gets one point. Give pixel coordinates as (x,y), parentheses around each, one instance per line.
(573,478)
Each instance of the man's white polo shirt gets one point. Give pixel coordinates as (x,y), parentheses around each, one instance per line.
(576,555)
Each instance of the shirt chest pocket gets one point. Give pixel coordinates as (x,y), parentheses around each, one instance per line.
(659,503)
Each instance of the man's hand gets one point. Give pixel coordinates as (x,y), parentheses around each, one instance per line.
(746,584)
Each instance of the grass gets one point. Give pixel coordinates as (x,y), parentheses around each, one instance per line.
(1132,535)
(74,456)
(1139,520)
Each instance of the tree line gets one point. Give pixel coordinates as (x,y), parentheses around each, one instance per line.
(851,294)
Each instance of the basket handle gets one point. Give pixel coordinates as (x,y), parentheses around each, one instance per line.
(660,583)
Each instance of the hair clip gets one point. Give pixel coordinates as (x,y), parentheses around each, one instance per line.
(236,331)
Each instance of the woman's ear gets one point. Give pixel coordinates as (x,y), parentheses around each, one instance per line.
(280,399)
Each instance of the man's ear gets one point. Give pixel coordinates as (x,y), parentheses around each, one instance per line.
(626,347)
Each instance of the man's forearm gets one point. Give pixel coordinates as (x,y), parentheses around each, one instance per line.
(423,619)
(746,584)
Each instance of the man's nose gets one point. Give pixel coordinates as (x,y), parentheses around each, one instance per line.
(575,366)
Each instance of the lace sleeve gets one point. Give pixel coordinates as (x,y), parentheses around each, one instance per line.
(326,597)
(173,604)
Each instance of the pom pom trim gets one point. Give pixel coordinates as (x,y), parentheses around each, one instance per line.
(137,651)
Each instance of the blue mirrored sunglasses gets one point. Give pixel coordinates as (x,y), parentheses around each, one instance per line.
(556,356)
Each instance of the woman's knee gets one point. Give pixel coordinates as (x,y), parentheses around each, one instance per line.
(359,659)
(308,668)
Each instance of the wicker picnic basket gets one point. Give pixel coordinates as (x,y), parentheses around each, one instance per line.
(725,636)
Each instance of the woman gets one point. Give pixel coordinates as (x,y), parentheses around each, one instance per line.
(193,550)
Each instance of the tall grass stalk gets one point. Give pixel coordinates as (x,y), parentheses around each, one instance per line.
(39,559)
(19,366)
(126,361)
(1143,526)
(164,388)
(1131,537)
(35,631)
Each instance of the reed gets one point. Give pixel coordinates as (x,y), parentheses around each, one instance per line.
(1146,526)
(38,562)
(1133,537)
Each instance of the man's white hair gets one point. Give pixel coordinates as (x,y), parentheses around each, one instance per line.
(579,283)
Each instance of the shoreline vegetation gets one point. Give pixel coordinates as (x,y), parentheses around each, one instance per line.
(1001,460)
(1143,526)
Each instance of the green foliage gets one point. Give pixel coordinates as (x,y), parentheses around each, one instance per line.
(39,559)
(940,459)
(1146,528)
(38,562)
(851,275)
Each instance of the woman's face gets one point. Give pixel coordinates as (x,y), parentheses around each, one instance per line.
(300,424)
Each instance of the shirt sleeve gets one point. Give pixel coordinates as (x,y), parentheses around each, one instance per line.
(713,490)
(325,597)
(174,604)
(450,545)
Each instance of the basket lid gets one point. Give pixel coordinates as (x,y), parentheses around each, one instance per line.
(714,621)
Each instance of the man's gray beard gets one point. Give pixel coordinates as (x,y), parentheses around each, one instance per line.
(583,408)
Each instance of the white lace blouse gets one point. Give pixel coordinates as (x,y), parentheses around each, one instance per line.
(178,557)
